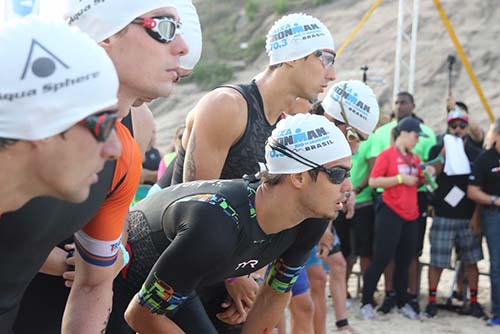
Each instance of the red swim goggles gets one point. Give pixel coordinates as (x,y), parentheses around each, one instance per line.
(100,125)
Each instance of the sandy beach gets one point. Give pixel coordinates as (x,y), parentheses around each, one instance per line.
(444,322)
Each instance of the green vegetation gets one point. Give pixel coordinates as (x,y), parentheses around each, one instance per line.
(209,75)
(280,6)
(321,2)
(255,48)
(251,9)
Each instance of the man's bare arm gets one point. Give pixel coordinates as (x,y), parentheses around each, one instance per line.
(266,311)
(219,122)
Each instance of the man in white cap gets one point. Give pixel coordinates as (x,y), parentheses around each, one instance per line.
(56,150)
(300,65)
(352,107)
(144,44)
(308,159)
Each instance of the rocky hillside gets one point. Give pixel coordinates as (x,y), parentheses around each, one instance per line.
(227,24)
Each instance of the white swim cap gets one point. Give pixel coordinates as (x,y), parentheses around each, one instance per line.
(295,36)
(101,18)
(53,76)
(191,32)
(312,137)
(359,101)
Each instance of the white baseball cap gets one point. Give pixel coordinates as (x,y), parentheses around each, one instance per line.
(312,137)
(296,36)
(53,76)
(359,102)
(100,18)
(191,32)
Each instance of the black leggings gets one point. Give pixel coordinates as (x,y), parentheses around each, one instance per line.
(394,238)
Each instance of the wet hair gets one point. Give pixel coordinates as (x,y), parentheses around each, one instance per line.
(6,142)
(274,179)
(407,94)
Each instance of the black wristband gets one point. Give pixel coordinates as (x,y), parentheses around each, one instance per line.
(342,323)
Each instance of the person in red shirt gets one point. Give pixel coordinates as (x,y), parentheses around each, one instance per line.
(396,170)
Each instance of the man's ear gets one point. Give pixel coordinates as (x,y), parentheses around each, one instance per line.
(298,180)
(105,44)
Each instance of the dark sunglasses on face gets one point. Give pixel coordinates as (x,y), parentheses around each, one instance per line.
(456,125)
(336,175)
(161,28)
(327,58)
(100,125)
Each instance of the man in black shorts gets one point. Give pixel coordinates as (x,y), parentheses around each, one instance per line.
(207,231)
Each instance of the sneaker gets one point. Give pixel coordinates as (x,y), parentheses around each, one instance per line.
(348,303)
(431,309)
(493,322)
(368,313)
(413,302)
(408,312)
(388,304)
(476,310)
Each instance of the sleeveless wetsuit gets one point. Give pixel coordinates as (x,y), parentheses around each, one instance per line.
(244,156)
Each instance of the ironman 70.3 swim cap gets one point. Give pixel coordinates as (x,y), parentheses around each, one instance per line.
(295,36)
(312,137)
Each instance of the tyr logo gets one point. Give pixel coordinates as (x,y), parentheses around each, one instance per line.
(251,263)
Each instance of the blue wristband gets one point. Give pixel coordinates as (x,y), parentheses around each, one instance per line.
(125,255)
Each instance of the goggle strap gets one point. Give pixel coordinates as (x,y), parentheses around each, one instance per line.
(274,144)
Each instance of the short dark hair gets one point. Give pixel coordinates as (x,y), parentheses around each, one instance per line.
(407,94)
(274,179)
(275,66)
(462,106)
(5,142)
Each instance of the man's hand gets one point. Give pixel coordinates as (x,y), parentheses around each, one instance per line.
(231,315)
(69,275)
(349,205)
(243,292)
(409,180)
(325,244)
(450,101)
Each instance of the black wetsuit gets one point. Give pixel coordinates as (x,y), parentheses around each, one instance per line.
(200,233)
(244,156)
(26,238)
(29,234)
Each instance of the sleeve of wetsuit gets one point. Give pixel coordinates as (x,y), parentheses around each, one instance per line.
(205,238)
(285,270)
(98,242)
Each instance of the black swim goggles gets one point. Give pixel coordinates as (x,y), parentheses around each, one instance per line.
(336,175)
(161,28)
(100,125)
